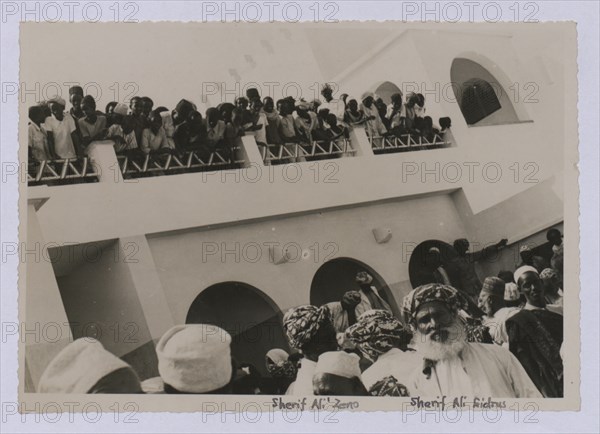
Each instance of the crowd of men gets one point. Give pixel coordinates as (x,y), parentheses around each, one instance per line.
(501,339)
(139,129)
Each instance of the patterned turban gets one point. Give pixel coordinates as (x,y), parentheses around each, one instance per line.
(549,273)
(302,323)
(493,286)
(428,293)
(388,386)
(279,365)
(377,332)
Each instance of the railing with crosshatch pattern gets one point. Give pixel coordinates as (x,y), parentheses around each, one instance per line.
(136,166)
(295,152)
(406,142)
(62,171)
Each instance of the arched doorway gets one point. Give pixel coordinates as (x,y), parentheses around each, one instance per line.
(249,315)
(480,96)
(385,90)
(417,259)
(337,276)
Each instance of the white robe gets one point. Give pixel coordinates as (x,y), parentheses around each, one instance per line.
(481,370)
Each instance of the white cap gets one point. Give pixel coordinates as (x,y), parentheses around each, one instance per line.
(338,363)
(121,109)
(78,367)
(57,99)
(524,269)
(195,358)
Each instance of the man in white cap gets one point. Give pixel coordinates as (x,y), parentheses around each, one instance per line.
(338,373)
(63,138)
(491,302)
(535,335)
(193,358)
(84,366)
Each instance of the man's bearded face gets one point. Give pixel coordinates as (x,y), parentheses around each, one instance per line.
(440,333)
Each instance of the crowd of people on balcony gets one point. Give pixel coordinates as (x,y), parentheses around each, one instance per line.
(453,336)
(141,129)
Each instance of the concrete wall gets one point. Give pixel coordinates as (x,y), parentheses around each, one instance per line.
(190,261)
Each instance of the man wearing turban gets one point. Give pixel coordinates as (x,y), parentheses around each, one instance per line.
(491,302)
(535,335)
(451,365)
(310,330)
(383,339)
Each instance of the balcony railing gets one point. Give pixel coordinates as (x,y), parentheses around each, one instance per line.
(406,142)
(294,152)
(60,172)
(137,166)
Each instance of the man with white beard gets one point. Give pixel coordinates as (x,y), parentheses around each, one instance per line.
(452,366)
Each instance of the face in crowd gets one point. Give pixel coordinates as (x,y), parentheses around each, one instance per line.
(531,286)
(136,106)
(436,322)
(57,110)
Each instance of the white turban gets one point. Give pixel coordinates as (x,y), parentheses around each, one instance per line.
(195,358)
(338,363)
(365,95)
(78,367)
(524,269)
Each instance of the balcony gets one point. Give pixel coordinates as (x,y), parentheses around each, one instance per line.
(406,143)
(139,166)
(103,164)
(61,172)
(295,152)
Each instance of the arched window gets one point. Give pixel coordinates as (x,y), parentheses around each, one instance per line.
(478,100)
(480,96)
(385,90)
(335,277)
(252,319)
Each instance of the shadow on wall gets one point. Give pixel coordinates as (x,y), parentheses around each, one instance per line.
(252,319)
(416,264)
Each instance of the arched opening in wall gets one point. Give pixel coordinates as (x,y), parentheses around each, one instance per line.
(337,276)
(251,317)
(385,90)
(480,96)
(418,271)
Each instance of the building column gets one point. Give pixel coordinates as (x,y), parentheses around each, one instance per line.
(45,327)
(360,142)
(102,155)
(148,286)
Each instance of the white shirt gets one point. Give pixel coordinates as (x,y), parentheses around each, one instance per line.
(304,379)
(38,142)
(61,131)
(497,325)
(480,371)
(261,135)
(396,362)
(336,107)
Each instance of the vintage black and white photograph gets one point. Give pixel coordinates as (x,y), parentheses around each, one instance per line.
(381,214)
